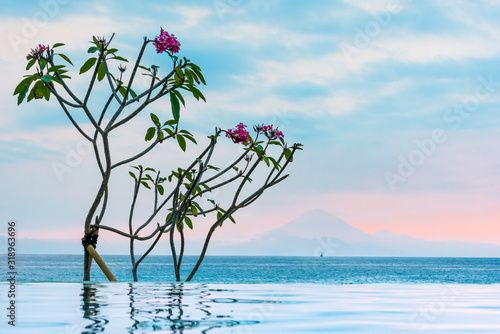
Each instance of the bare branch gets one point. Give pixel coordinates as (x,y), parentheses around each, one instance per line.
(146,150)
(59,97)
(63,83)
(132,236)
(110,81)
(73,121)
(162,230)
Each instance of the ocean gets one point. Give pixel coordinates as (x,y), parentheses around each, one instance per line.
(269,269)
(258,295)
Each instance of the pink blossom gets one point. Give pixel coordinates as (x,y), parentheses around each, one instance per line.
(165,42)
(238,135)
(271,133)
(37,52)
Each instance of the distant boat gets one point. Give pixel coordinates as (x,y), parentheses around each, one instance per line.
(321,255)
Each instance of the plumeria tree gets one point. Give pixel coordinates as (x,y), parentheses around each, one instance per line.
(192,187)
(181,203)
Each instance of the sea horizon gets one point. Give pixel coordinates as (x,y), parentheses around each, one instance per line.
(268,269)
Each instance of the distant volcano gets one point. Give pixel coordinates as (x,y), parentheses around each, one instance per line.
(310,234)
(318,231)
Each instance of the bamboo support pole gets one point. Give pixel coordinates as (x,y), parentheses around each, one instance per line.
(96,235)
(101,263)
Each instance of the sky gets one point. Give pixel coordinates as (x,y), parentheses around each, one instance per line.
(396,104)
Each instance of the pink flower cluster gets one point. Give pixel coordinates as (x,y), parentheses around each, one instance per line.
(238,135)
(165,41)
(271,133)
(37,52)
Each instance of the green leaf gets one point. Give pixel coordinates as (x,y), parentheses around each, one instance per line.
(193,76)
(191,139)
(182,142)
(55,79)
(57,45)
(38,90)
(219,215)
(46,93)
(31,95)
(259,150)
(199,208)
(30,64)
(122,90)
(155,119)
(275,163)
(266,160)
(197,94)
(213,167)
(160,189)
(197,70)
(194,66)
(132,93)
(63,56)
(194,210)
(47,78)
(43,63)
(179,96)
(188,222)
(57,68)
(232,219)
(93,49)
(112,50)
(22,93)
(119,58)
(88,65)
(133,175)
(179,72)
(24,82)
(288,155)
(145,184)
(170,122)
(175,106)
(189,76)
(150,133)
(101,73)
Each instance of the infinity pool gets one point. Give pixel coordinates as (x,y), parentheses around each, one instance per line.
(68,308)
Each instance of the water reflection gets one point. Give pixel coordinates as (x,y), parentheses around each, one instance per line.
(91,309)
(175,308)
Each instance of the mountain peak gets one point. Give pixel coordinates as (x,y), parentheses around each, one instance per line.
(320,223)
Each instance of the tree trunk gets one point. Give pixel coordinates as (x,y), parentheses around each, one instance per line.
(134,273)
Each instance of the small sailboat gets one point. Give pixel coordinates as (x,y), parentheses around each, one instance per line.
(321,255)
